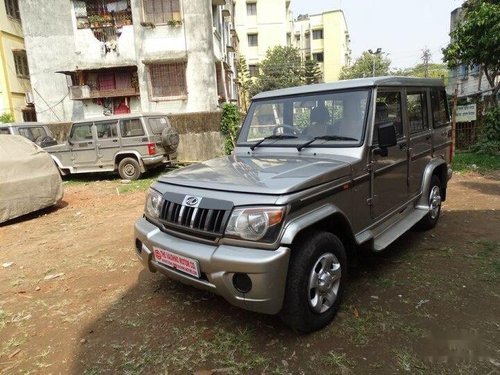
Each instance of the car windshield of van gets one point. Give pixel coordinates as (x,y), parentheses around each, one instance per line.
(335,119)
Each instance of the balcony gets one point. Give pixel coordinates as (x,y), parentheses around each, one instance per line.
(85,92)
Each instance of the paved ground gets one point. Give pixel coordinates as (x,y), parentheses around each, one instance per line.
(75,300)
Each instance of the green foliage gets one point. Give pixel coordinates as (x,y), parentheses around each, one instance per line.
(230,122)
(473,162)
(363,66)
(475,40)
(244,82)
(6,118)
(281,68)
(312,72)
(434,71)
(489,141)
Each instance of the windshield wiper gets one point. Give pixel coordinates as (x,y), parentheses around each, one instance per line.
(278,136)
(326,138)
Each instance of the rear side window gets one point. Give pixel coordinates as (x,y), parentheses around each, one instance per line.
(81,132)
(440,114)
(417,111)
(157,124)
(106,130)
(131,128)
(32,133)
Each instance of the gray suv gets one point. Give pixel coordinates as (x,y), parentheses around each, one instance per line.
(129,144)
(36,132)
(318,173)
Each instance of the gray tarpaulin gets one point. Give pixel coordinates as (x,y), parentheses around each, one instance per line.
(29,179)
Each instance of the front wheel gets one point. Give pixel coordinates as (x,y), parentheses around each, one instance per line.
(129,169)
(315,283)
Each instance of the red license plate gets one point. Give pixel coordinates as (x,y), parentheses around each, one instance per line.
(179,262)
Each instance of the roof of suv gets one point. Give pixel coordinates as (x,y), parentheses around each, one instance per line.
(23,124)
(117,117)
(352,84)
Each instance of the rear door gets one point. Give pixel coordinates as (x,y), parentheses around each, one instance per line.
(83,145)
(133,135)
(420,144)
(108,142)
(390,188)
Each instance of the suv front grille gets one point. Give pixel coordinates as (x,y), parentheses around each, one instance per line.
(209,218)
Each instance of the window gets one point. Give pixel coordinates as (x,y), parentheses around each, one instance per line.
(21,63)
(33,133)
(439,103)
(319,57)
(167,80)
(387,110)
(253,40)
(251,9)
(161,11)
(318,34)
(106,130)
(253,70)
(12,8)
(157,124)
(417,111)
(81,132)
(131,128)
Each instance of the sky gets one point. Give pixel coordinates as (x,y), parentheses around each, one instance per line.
(402,28)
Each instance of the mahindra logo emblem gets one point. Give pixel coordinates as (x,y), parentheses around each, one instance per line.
(191,201)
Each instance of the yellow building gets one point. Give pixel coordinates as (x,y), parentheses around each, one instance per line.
(14,73)
(325,38)
(260,25)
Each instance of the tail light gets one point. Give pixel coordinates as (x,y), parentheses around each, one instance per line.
(151,149)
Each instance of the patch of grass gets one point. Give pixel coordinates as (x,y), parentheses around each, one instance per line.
(488,254)
(408,362)
(470,162)
(333,359)
(385,283)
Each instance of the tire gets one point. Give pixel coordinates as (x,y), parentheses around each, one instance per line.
(430,220)
(129,169)
(316,259)
(170,139)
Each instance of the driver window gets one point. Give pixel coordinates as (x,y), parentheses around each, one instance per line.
(388,110)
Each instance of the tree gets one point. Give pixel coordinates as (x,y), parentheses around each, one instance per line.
(475,41)
(281,68)
(365,65)
(420,70)
(244,83)
(312,72)
(6,118)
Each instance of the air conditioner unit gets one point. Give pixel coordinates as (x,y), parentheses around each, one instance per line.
(28,97)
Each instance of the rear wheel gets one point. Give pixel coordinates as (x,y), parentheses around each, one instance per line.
(315,283)
(430,220)
(129,169)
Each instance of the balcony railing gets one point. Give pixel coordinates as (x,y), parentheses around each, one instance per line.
(85,92)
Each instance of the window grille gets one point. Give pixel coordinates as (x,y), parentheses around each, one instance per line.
(12,9)
(21,63)
(161,11)
(167,80)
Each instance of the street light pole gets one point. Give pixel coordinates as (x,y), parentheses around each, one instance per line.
(377,52)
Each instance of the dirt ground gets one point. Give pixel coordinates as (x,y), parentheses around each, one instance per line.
(74,299)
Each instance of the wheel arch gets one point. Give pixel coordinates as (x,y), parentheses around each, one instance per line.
(327,218)
(437,167)
(129,154)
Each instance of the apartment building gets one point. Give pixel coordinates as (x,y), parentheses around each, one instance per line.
(91,58)
(15,88)
(260,25)
(325,38)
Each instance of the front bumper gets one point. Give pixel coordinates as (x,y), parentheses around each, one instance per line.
(218,263)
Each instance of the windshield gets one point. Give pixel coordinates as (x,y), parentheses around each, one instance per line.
(337,118)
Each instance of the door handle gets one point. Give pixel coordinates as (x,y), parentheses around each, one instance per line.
(115,140)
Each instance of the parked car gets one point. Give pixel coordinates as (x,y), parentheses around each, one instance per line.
(36,132)
(318,172)
(29,180)
(129,144)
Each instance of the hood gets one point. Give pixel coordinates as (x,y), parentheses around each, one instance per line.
(262,175)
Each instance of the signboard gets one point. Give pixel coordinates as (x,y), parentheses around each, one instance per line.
(466,113)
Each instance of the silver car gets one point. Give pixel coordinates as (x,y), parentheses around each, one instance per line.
(129,144)
(318,172)
(36,132)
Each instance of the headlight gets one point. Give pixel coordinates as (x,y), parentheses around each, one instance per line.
(153,204)
(255,223)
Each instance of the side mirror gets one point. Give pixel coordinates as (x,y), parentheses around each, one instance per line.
(387,135)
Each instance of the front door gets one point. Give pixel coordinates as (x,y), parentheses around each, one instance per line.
(389,173)
(108,143)
(83,146)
